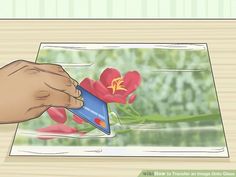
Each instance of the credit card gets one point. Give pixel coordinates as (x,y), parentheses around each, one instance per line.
(94,111)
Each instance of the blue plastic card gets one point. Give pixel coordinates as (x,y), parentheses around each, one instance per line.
(94,111)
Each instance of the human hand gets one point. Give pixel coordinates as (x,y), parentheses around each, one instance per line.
(28,89)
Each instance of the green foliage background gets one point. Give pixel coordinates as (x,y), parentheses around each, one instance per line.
(172,108)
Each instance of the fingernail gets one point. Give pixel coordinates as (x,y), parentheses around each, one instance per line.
(75,83)
(80,98)
(79,103)
(75,103)
(77,93)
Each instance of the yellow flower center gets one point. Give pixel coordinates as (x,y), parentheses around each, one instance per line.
(117,84)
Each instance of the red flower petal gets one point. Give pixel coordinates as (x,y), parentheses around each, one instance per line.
(87,84)
(57,114)
(100,90)
(82,133)
(58,128)
(78,119)
(115,98)
(108,75)
(45,137)
(132,80)
(132,98)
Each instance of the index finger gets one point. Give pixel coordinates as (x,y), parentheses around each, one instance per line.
(57,70)
(60,83)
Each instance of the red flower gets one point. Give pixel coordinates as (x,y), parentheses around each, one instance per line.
(132,98)
(112,87)
(78,119)
(58,128)
(57,114)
